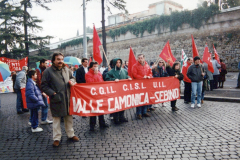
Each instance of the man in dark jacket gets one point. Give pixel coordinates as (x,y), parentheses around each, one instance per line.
(56,82)
(116,74)
(42,66)
(81,71)
(196,73)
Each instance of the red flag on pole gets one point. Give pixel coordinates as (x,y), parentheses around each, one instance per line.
(96,43)
(166,54)
(90,60)
(216,55)
(207,59)
(131,61)
(194,48)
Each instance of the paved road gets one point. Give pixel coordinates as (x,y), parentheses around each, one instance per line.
(210,132)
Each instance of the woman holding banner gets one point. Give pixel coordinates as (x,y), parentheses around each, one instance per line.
(117,73)
(175,71)
(160,71)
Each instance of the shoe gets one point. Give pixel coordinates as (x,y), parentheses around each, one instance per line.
(139,116)
(186,102)
(199,105)
(20,112)
(91,128)
(192,105)
(146,115)
(123,120)
(29,123)
(74,139)
(56,143)
(151,109)
(202,101)
(46,122)
(104,126)
(38,129)
(163,105)
(175,109)
(25,110)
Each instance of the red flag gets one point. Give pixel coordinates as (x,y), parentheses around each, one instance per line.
(216,55)
(90,60)
(194,48)
(207,59)
(131,61)
(166,54)
(96,43)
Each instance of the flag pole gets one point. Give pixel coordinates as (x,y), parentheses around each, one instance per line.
(104,54)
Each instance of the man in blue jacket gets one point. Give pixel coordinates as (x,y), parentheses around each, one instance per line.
(34,100)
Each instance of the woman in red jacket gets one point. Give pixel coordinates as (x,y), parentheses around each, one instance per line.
(93,75)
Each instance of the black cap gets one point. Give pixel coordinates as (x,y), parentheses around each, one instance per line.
(196,58)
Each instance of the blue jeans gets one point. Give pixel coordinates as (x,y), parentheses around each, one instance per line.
(19,104)
(196,89)
(34,118)
(44,110)
(141,110)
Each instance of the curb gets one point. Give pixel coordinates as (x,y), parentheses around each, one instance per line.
(219,99)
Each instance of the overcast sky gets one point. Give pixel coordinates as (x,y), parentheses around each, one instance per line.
(66,16)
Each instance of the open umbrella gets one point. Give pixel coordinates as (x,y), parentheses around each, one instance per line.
(73,60)
(4,71)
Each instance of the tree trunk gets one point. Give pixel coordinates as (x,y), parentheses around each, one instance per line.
(104,35)
(25,18)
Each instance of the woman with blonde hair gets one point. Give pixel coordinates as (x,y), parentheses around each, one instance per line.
(160,71)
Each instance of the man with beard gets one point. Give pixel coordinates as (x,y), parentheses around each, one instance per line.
(117,73)
(42,66)
(56,82)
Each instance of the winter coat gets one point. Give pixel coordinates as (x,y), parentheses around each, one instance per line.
(56,81)
(33,95)
(159,72)
(173,72)
(223,72)
(209,74)
(184,72)
(195,73)
(39,71)
(139,70)
(91,77)
(116,73)
(80,75)
(21,80)
(216,67)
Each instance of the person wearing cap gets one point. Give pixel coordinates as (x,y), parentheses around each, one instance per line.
(196,73)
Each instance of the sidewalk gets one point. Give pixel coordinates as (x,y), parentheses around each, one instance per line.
(228,93)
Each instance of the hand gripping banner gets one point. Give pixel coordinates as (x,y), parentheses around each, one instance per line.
(93,99)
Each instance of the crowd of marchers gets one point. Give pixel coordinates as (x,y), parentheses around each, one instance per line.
(55,81)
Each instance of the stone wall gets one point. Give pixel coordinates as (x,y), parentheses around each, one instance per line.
(223,30)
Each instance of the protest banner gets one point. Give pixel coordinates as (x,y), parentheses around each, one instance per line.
(93,99)
(15,65)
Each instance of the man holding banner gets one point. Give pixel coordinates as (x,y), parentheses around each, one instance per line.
(116,74)
(56,82)
(141,70)
(92,76)
(20,83)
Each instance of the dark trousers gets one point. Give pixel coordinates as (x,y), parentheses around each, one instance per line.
(211,85)
(187,92)
(173,103)
(34,117)
(215,81)
(94,119)
(19,104)
(118,116)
